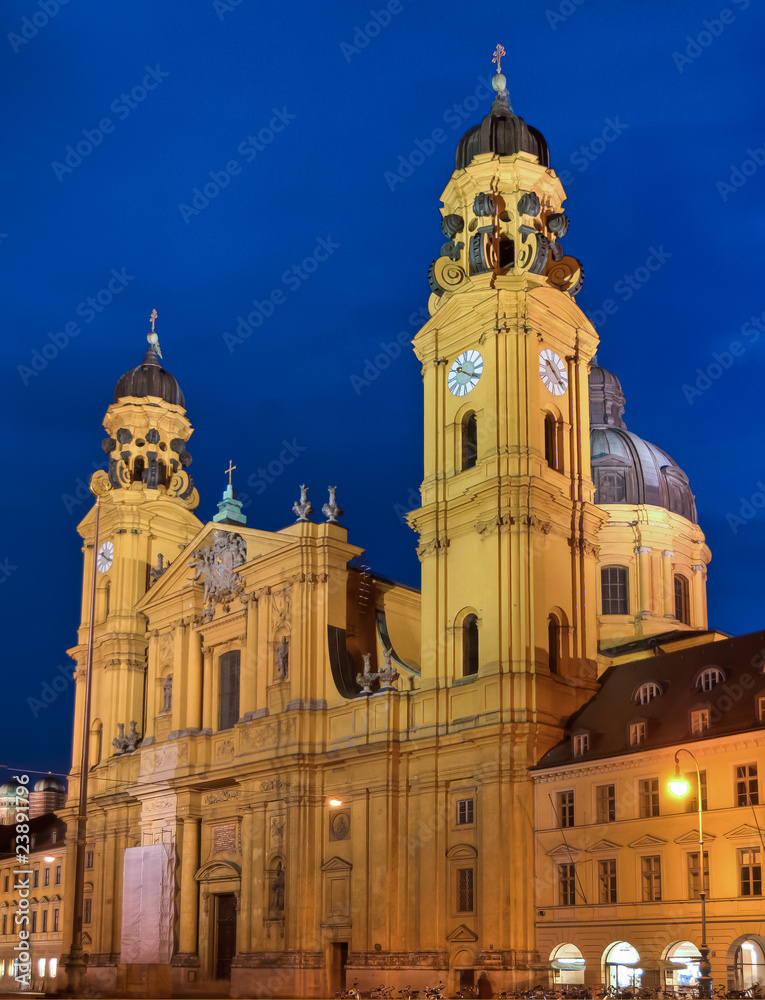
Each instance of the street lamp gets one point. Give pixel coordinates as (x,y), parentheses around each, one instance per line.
(679,786)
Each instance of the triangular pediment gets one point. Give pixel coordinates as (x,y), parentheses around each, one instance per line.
(218,871)
(461,933)
(692,837)
(604,845)
(564,853)
(744,832)
(647,841)
(337,865)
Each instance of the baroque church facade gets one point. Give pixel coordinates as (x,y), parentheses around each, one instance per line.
(302,773)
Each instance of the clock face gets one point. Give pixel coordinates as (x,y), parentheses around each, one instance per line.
(105,557)
(552,371)
(465,372)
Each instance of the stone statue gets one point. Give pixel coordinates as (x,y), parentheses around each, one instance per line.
(277,890)
(302,508)
(331,510)
(168,690)
(283,658)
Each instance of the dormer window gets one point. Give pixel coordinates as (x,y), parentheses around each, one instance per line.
(647,692)
(637,733)
(581,744)
(709,678)
(699,720)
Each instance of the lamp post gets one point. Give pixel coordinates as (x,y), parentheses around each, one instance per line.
(679,786)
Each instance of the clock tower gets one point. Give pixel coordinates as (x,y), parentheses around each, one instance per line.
(146,521)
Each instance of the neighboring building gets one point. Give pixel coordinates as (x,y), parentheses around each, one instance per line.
(47,886)
(269,804)
(617,866)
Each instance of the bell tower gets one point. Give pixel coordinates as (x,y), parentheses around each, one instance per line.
(508,527)
(146,520)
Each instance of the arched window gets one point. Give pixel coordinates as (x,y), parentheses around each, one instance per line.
(614,590)
(709,678)
(682,602)
(470,645)
(686,956)
(228,713)
(553,442)
(619,959)
(749,963)
(568,964)
(469,441)
(647,692)
(553,644)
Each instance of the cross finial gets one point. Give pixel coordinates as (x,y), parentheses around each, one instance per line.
(229,470)
(152,318)
(497,57)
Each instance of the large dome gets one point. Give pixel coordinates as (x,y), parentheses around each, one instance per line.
(503,133)
(625,468)
(49,784)
(150,379)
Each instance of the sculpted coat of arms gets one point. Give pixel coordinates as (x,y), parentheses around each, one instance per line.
(216,566)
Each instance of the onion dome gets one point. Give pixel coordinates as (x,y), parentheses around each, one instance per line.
(625,468)
(50,784)
(150,379)
(501,132)
(8,790)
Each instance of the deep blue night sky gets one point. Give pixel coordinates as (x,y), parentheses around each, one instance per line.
(654,121)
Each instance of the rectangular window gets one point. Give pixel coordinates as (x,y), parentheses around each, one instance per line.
(613,588)
(52,967)
(694,875)
(5,923)
(746,785)
(581,744)
(35,878)
(46,876)
(89,859)
(464,811)
(566,885)
(57,878)
(607,881)
(45,922)
(606,803)
(228,714)
(87,910)
(651,879)
(750,871)
(565,809)
(637,733)
(700,720)
(33,922)
(649,797)
(465,890)
(55,920)
(41,967)
(6,883)
(692,804)
(682,600)
(761,709)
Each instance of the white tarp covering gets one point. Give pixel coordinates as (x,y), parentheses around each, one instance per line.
(148,889)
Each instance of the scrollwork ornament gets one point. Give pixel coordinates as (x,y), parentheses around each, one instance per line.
(484,204)
(558,224)
(529,204)
(447,275)
(534,251)
(567,274)
(179,483)
(451,225)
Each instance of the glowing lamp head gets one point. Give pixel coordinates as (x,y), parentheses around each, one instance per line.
(335,803)
(49,858)
(678,785)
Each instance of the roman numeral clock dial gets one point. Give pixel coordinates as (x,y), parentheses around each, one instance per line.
(552,371)
(465,373)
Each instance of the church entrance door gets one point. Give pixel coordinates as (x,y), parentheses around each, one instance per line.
(225,934)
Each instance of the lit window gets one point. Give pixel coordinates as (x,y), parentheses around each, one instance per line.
(613,587)
(700,720)
(52,967)
(465,890)
(464,811)
(682,601)
(607,881)
(650,869)
(750,872)
(606,803)
(566,885)
(470,645)
(694,875)
(761,708)
(747,793)
(709,678)
(648,790)
(581,744)
(692,802)
(2,966)
(41,967)
(637,733)
(647,692)
(565,809)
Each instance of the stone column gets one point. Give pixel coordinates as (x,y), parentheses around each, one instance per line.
(244,925)
(698,597)
(667,584)
(644,579)
(189,896)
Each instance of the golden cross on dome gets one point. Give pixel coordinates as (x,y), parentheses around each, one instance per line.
(152,318)
(497,57)
(229,470)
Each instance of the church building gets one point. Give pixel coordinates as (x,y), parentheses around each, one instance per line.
(303,774)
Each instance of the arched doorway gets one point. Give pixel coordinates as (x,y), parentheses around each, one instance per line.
(684,956)
(748,962)
(619,960)
(567,964)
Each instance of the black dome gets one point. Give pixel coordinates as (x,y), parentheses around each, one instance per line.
(150,379)
(503,133)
